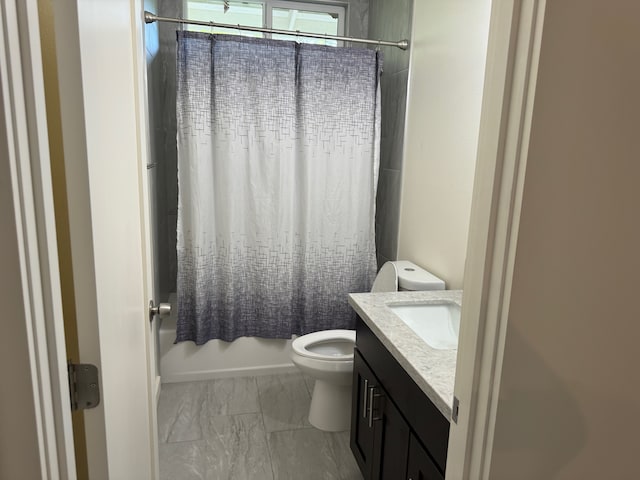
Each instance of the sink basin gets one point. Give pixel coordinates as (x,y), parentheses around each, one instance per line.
(438,324)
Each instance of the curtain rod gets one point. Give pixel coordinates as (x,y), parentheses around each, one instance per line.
(150,18)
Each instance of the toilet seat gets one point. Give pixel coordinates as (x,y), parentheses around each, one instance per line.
(328,345)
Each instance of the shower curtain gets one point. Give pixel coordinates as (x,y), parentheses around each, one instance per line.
(278,152)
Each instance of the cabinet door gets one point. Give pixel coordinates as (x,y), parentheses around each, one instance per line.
(379,433)
(391,441)
(362,428)
(421,467)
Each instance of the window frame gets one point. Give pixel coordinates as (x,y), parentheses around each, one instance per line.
(338,8)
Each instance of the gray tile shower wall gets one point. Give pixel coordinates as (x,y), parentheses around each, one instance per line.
(387,213)
(163,104)
(153,87)
(391,19)
(358,21)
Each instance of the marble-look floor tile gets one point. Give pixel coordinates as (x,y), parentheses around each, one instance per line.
(231,396)
(182,461)
(304,453)
(181,411)
(197,443)
(341,452)
(236,448)
(285,401)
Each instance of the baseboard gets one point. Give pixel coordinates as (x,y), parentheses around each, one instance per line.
(231,372)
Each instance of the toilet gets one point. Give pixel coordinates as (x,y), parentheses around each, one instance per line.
(327,355)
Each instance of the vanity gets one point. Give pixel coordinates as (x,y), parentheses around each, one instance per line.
(403,382)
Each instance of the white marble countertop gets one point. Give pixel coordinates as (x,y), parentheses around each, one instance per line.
(432,370)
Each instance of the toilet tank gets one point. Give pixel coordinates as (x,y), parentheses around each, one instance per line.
(414,278)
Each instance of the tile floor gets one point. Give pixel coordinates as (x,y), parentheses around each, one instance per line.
(247,428)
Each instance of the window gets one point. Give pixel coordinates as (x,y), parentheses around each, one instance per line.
(281,15)
(243,13)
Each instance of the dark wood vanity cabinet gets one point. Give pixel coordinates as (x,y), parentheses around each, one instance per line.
(396,432)
(420,465)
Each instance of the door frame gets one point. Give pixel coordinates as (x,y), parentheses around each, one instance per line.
(507,107)
(24,120)
(516,27)
(24,136)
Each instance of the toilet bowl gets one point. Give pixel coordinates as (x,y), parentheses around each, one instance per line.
(327,356)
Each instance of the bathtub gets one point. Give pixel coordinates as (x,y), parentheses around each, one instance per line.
(244,356)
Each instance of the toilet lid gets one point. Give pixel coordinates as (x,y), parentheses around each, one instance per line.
(387,279)
(336,345)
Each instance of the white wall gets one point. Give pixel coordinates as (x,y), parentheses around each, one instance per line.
(448,53)
(569,403)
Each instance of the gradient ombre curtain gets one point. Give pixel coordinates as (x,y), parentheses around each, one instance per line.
(278,153)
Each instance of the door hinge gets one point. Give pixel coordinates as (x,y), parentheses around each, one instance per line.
(84,389)
(455,409)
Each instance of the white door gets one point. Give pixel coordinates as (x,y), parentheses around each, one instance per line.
(100,49)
